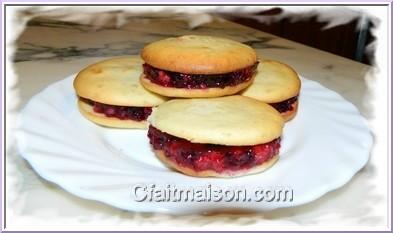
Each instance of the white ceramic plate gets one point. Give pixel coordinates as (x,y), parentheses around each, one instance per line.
(322,148)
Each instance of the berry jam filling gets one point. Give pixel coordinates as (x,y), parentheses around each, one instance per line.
(120,112)
(284,106)
(219,158)
(198,81)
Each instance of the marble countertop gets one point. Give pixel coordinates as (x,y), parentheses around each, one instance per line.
(50,49)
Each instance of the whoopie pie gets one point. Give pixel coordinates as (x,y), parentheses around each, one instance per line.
(110,94)
(220,137)
(278,85)
(194,66)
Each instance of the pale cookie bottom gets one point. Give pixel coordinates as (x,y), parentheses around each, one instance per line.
(100,119)
(289,115)
(210,173)
(193,93)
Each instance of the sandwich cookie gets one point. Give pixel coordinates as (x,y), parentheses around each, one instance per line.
(220,137)
(278,85)
(109,93)
(197,66)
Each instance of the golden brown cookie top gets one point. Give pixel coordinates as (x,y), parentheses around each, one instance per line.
(232,120)
(115,82)
(274,82)
(197,54)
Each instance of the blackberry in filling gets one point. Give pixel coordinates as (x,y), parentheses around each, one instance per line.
(286,105)
(197,81)
(120,112)
(219,158)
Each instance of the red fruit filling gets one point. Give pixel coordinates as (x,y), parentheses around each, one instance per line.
(197,81)
(219,158)
(284,106)
(120,112)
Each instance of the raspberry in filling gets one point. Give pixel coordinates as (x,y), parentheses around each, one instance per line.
(284,106)
(218,158)
(120,112)
(197,81)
